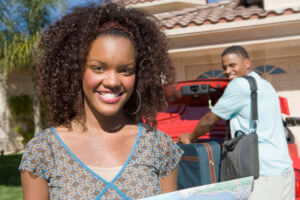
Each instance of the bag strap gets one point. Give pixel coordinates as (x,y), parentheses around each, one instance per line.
(253,87)
(254,111)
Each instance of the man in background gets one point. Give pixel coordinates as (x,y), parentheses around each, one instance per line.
(276,180)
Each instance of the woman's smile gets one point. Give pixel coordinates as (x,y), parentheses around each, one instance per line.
(109,97)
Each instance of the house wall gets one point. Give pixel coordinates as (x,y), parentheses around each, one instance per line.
(279,5)
(19,83)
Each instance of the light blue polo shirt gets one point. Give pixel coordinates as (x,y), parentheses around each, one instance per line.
(235,106)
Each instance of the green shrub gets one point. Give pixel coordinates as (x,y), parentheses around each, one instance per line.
(10,181)
(21,116)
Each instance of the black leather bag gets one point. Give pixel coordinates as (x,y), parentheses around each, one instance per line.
(240,154)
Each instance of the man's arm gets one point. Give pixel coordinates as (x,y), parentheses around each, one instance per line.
(205,124)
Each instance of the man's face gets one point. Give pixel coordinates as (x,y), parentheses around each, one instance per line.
(234,65)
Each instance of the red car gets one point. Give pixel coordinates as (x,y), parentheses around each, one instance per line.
(194,98)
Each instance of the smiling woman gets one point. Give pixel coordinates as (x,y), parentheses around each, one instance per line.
(100,72)
(109,77)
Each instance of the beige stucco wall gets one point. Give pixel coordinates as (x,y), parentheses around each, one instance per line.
(280,4)
(288,84)
(19,83)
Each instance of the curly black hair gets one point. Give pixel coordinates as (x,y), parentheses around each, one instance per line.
(64,47)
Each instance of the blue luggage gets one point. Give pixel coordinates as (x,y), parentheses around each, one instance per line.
(199,165)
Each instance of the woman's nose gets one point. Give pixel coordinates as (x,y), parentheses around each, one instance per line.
(111,80)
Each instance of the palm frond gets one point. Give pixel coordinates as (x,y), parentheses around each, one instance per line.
(18,52)
(22,22)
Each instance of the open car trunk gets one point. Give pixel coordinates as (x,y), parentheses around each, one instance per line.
(193,99)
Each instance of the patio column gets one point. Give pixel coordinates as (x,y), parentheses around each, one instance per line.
(6,143)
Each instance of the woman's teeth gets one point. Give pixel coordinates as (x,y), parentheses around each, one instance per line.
(109,95)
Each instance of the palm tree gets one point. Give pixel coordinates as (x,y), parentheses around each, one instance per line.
(21,22)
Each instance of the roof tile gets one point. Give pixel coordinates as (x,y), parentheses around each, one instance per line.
(216,13)
(212,13)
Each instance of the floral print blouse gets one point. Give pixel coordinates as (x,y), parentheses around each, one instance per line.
(153,156)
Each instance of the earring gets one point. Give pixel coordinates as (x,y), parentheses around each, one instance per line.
(140,103)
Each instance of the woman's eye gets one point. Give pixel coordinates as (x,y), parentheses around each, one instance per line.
(127,71)
(97,68)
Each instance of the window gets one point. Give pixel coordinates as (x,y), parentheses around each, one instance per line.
(269,69)
(212,74)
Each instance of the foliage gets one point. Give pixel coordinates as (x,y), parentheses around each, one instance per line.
(21,116)
(10,183)
(18,52)
(21,22)
(9,173)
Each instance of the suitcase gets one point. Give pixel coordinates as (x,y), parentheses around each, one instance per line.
(199,165)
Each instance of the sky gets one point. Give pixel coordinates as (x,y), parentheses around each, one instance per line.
(11,10)
(72,3)
(56,14)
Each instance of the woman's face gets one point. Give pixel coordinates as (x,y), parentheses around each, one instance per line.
(109,76)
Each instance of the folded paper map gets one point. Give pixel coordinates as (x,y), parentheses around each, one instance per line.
(237,189)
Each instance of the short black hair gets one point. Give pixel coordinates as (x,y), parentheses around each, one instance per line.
(239,50)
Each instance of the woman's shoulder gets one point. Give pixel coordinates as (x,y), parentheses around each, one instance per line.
(37,157)
(46,136)
(154,134)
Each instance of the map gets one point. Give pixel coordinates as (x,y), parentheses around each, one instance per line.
(237,189)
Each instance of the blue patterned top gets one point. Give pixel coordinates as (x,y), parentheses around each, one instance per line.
(153,156)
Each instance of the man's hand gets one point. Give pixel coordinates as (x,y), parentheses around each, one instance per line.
(186,138)
(204,125)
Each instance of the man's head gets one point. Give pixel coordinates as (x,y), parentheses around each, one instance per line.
(235,62)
